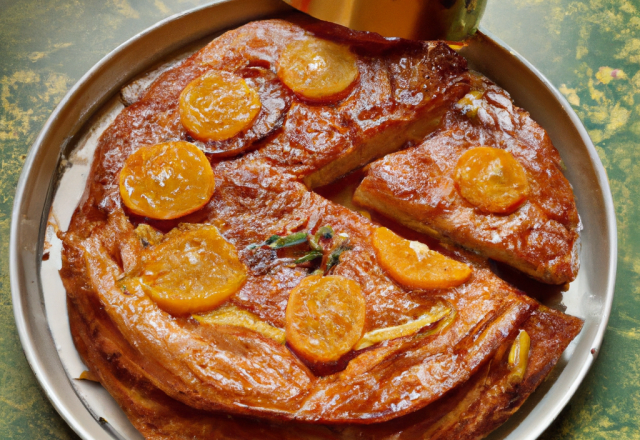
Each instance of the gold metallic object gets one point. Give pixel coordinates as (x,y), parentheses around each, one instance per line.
(452,20)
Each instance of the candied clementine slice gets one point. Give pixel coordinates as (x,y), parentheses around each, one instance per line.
(218,105)
(234,316)
(317,69)
(193,270)
(491,179)
(324,317)
(166,181)
(414,265)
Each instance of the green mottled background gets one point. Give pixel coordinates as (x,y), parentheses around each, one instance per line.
(590,49)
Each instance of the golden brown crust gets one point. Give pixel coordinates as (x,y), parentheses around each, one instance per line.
(182,367)
(416,187)
(468,412)
(170,374)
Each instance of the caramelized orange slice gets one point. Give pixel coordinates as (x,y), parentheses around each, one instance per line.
(217,106)
(193,270)
(324,317)
(166,181)
(234,316)
(414,265)
(317,69)
(491,179)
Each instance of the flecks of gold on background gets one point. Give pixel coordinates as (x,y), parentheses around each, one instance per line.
(45,47)
(590,49)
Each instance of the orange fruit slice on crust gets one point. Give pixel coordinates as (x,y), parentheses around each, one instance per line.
(318,69)
(414,265)
(166,181)
(491,179)
(217,106)
(324,317)
(193,270)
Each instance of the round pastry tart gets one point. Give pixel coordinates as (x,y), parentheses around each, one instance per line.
(211,290)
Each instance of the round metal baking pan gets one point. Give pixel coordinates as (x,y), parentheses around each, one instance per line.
(41,318)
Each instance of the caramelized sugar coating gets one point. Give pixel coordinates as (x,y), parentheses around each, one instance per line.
(484,402)
(317,69)
(251,203)
(166,181)
(194,269)
(441,312)
(325,317)
(174,376)
(417,188)
(492,179)
(218,106)
(237,317)
(414,265)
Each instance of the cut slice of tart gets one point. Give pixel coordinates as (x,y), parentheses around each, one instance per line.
(489,180)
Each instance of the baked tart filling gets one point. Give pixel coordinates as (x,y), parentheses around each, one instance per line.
(206,282)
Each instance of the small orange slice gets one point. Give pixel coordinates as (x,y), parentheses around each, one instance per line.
(217,106)
(491,179)
(166,181)
(192,271)
(414,265)
(324,317)
(317,69)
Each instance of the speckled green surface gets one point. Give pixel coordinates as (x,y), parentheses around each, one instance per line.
(590,49)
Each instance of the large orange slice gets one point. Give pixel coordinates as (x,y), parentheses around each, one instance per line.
(167,180)
(324,317)
(218,105)
(414,265)
(192,271)
(491,179)
(317,69)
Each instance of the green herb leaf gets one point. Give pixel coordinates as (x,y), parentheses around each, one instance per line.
(308,257)
(277,242)
(272,239)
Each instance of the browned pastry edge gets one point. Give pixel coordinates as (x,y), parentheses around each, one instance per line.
(469,412)
(122,368)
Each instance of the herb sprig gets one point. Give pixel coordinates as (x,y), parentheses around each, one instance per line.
(325,244)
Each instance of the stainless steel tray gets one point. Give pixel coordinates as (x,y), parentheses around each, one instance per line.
(39,304)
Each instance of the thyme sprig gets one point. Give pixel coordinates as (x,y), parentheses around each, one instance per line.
(318,243)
